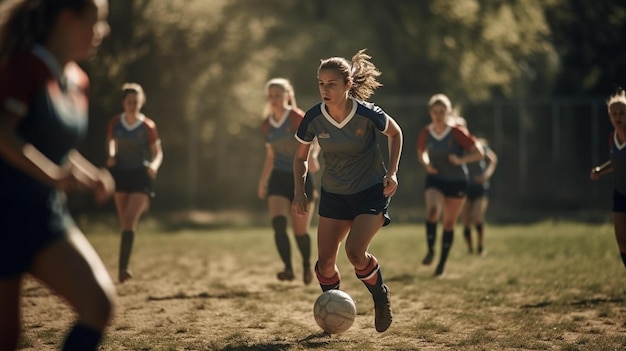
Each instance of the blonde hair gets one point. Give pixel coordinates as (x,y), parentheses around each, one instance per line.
(360,71)
(133,88)
(286,86)
(619,97)
(442,100)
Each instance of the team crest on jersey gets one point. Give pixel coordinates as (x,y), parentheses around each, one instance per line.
(323,135)
(359,132)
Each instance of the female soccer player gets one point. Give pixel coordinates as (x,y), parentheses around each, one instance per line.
(282,118)
(43,114)
(444,149)
(356,186)
(477,197)
(135,155)
(617,165)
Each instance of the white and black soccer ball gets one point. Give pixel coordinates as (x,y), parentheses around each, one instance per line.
(334,311)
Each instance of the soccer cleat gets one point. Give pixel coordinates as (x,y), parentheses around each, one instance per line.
(307,275)
(124,275)
(382,312)
(439,270)
(285,275)
(428,259)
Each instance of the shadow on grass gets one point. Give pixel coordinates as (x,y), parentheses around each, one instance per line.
(319,340)
(577,303)
(204,295)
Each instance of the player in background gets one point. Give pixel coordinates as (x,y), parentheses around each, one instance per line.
(444,149)
(281,120)
(43,115)
(473,213)
(616,104)
(134,158)
(356,186)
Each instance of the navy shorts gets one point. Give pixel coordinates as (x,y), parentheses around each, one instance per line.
(133,181)
(281,184)
(619,202)
(347,207)
(449,188)
(27,229)
(476,191)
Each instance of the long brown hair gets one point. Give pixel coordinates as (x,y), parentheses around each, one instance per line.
(360,71)
(24,23)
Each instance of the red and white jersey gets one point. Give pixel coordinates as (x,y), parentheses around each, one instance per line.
(133,141)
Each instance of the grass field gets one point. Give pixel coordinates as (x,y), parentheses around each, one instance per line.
(542,286)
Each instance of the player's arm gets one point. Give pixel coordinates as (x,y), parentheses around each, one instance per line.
(395,139)
(268,165)
(157,157)
(474,150)
(596,172)
(422,152)
(314,152)
(300,169)
(111,146)
(492,159)
(26,158)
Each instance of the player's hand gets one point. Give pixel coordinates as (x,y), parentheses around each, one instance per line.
(103,187)
(152,173)
(595,174)
(110,162)
(431,170)
(455,160)
(390,184)
(300,205)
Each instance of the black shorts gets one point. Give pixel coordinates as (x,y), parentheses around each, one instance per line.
(449,188)
(133,181)
(368,201)
(619,202)
(476,191)
(27,229)
(281,184)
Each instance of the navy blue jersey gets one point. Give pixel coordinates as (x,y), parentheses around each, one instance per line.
(617,152)
(51,105)
(352,158)
(279,135)
(133,141)
(453,140)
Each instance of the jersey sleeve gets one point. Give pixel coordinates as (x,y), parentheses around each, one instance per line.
(421,139)
(111,126)
(466,141)
(21,77)
(306,133)
(151,128)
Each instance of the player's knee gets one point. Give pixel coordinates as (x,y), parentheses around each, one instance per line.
(99,311)
(356,257)
(432,213)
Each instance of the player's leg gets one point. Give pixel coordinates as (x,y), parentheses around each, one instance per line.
(434,204)
(466,220)
(132,205)
(330,233)
(9,312)
(366,266)
(71,267)
(619,223)
(479,219)
(301,225)
(280,208)
(451,210)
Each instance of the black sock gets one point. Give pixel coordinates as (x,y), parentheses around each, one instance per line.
(82,338)
(304,244)
(431,235)
(623,257)
(448,237)
(467,234)
(126,248)
(279,224)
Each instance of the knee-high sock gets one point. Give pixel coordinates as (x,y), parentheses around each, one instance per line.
(304,245)
(82,338)
(328,283)
(448,237)
(623,257)
(467,234)
(431,235)
(372,277)
(126,248)
(480,229)
(279,223)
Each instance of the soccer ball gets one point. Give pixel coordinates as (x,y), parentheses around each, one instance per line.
(334,311)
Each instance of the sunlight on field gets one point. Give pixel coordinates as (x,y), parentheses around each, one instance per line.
(542,286)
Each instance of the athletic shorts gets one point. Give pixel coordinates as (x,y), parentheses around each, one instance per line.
(619,202)
(476,191)
(281,184)
(449,188)
(27,229)
(347,207)
(133,181)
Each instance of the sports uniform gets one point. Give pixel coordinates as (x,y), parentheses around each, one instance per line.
(279,135)
(617,154)
(476,190)
(51,104)
(352,181)
(133,153)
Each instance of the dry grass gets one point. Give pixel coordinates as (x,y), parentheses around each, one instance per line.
(544,286)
